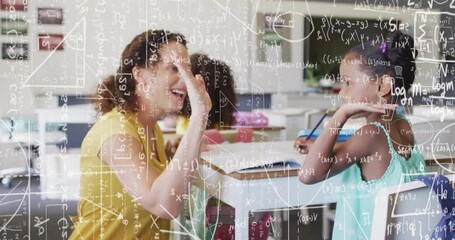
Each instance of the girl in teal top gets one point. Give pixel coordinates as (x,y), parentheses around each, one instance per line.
(380,154)
(354,211)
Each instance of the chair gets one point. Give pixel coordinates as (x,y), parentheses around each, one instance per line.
(213,136)
(13,161)
(14,154)
(19,148)
(407,211)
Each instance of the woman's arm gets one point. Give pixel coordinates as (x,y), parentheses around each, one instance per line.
(162,194)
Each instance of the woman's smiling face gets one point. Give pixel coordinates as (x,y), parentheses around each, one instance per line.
(162,83)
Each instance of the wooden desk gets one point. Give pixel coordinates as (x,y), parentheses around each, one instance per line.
(274,133)
(266,190)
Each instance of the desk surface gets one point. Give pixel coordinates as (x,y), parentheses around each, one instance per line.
(85,113)
(257,128)
(240,153)
(244,155)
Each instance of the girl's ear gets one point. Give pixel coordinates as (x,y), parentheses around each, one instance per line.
(385,85)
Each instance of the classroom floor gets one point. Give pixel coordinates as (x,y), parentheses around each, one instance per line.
(23,214)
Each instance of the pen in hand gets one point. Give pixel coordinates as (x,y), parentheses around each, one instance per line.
(317,125)
(299,147)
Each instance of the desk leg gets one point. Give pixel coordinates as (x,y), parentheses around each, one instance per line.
(277,229)
(241,222)
(325,221)
(42,153)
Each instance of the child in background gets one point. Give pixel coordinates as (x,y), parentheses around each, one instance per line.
(378,155)
(219,84)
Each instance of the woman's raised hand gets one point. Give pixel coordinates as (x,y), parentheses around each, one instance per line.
(199,98)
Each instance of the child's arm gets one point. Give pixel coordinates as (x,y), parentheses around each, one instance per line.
(324,160)
(302,145)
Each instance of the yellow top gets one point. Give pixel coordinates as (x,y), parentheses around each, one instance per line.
(182,125)
(106,210)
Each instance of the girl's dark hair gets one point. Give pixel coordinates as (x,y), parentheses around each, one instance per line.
(395,57)
(119,90)
(220,87)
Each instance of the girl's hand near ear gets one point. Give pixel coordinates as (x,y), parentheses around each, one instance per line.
(349,110)
(199,98)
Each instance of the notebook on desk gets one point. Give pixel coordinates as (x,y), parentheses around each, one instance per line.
(252,157)
(281,165)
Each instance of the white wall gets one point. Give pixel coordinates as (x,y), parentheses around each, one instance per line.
(97,31)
